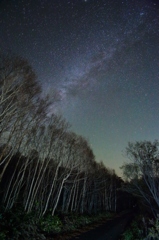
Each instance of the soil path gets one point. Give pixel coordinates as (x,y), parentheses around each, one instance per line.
(111,230)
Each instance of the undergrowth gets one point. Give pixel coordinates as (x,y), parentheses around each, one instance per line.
(17,225)
(142,228)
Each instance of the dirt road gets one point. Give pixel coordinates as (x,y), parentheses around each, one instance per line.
(110,230)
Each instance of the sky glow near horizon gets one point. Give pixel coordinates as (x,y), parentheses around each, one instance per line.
(100,57)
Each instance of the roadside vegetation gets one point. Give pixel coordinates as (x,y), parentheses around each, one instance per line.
(141,175)
(16,224)
(142,227)
(50,181)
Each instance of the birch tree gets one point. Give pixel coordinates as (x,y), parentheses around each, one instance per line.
(142,172)
(19,103)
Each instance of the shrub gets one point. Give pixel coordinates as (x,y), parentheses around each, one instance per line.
(153,231)
(133,232)
(128,235)
(51,224)
(18,225)
(74,221)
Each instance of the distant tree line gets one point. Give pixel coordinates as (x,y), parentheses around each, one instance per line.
(44,166)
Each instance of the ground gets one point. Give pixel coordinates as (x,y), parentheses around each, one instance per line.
(111,229)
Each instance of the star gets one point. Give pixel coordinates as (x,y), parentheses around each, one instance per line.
(98,60)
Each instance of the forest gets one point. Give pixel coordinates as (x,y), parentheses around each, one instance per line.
(49,175)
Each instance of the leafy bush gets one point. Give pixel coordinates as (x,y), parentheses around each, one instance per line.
(16,225)
(133,232)
(128,235)
(2,236)
(153,231)
(149,229)
(74,221)
(50,223)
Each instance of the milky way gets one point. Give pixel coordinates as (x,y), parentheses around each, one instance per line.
(100,58)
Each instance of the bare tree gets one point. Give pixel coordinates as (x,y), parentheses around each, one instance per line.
(20,105)
(142,173)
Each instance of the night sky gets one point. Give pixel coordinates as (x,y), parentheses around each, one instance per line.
(100,58)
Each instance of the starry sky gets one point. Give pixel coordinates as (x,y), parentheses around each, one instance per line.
(99,59)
